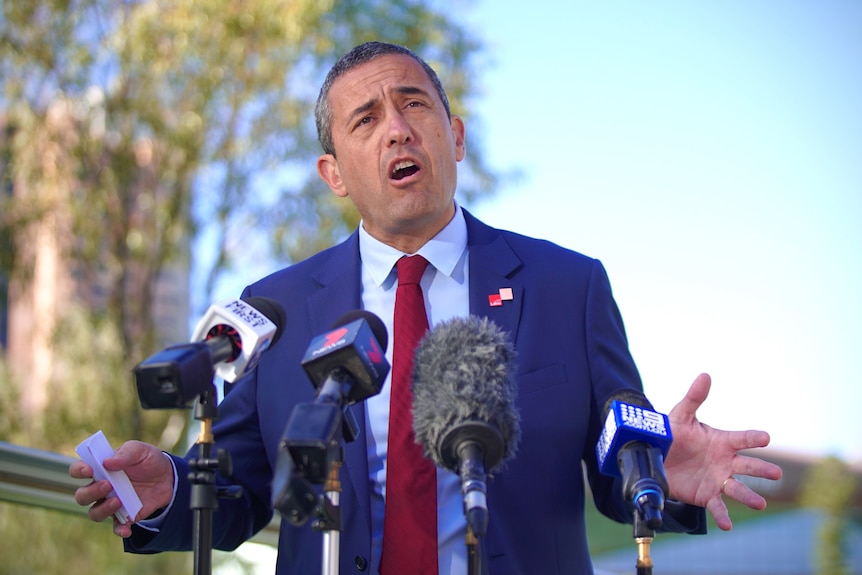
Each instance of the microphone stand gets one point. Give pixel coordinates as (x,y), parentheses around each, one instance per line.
(328,513)
(204,493)
(309,443)
(474,557)
(645,487)
(643,536)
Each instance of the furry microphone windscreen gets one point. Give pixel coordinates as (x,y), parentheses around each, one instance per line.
(463,373)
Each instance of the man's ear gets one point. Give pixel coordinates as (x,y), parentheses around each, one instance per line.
(459,131)
(327,169)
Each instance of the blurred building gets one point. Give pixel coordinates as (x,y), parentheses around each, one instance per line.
(796,468)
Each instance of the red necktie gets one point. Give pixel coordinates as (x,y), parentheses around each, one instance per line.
(410,516)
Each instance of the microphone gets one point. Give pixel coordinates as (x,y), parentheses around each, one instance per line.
(228,341)
(249,326)
(463,405)
(633,444)
(347,364)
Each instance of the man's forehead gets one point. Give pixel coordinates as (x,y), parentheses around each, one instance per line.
(382,73)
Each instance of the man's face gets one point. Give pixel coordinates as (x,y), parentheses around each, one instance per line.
(396,150)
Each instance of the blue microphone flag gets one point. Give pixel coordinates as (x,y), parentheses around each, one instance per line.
(626,423)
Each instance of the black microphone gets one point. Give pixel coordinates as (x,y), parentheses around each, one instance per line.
(632,446)
(464,411)
(347,364)
(228,341)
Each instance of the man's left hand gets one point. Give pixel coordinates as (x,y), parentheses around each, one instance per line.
(703,461)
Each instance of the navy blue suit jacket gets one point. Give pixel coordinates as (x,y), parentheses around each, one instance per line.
(572,354)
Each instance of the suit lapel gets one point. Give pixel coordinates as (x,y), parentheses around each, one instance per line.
(493,266)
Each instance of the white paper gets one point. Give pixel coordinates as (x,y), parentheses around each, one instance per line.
(94,450)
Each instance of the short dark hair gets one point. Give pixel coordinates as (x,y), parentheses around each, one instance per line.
(360,55)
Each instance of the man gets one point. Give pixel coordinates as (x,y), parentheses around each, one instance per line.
(391,145)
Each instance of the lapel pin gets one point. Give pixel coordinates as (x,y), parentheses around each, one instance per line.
(497,299)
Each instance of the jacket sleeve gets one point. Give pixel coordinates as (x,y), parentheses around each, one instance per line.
(612,369)
(234,520)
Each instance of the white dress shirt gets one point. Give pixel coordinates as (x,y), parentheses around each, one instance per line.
(445,288)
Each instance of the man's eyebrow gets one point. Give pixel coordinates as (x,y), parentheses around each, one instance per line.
(402,90)
(411,91)
(361,109)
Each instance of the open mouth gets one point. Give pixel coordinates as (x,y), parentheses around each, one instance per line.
(403,170)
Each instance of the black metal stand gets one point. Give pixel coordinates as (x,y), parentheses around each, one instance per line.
(310,454)
(204,493)
(645,487)
(474,557)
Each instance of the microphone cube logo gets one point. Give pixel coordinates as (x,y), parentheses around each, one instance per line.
(643,419)
(248,315)
(351,349)
(253,334)
(328,342)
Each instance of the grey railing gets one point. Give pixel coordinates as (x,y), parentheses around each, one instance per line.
(41,479)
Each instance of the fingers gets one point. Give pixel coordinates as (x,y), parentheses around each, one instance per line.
(718,510)
(101,506)
(739,491)
(96,494)
(80,470)
(749,439)
(104,509)
(756,467)
(92,492)
(122,529)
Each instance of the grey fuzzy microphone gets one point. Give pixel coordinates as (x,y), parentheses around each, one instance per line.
(464,412)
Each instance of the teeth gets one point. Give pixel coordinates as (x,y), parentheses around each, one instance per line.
(404,164)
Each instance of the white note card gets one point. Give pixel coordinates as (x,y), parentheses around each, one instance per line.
(94,450)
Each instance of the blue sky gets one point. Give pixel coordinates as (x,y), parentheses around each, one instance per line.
(710,154)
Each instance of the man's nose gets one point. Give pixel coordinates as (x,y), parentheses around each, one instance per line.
(400,131)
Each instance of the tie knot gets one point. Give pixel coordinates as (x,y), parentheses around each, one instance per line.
(410,269)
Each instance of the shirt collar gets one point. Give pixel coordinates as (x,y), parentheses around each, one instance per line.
(443,251)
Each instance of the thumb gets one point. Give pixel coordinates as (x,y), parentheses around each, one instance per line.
(125,456)
(686,409)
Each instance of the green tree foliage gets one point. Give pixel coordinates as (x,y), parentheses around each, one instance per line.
(830,487)
(129,130)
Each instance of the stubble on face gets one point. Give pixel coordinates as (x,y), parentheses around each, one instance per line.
(396,151)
